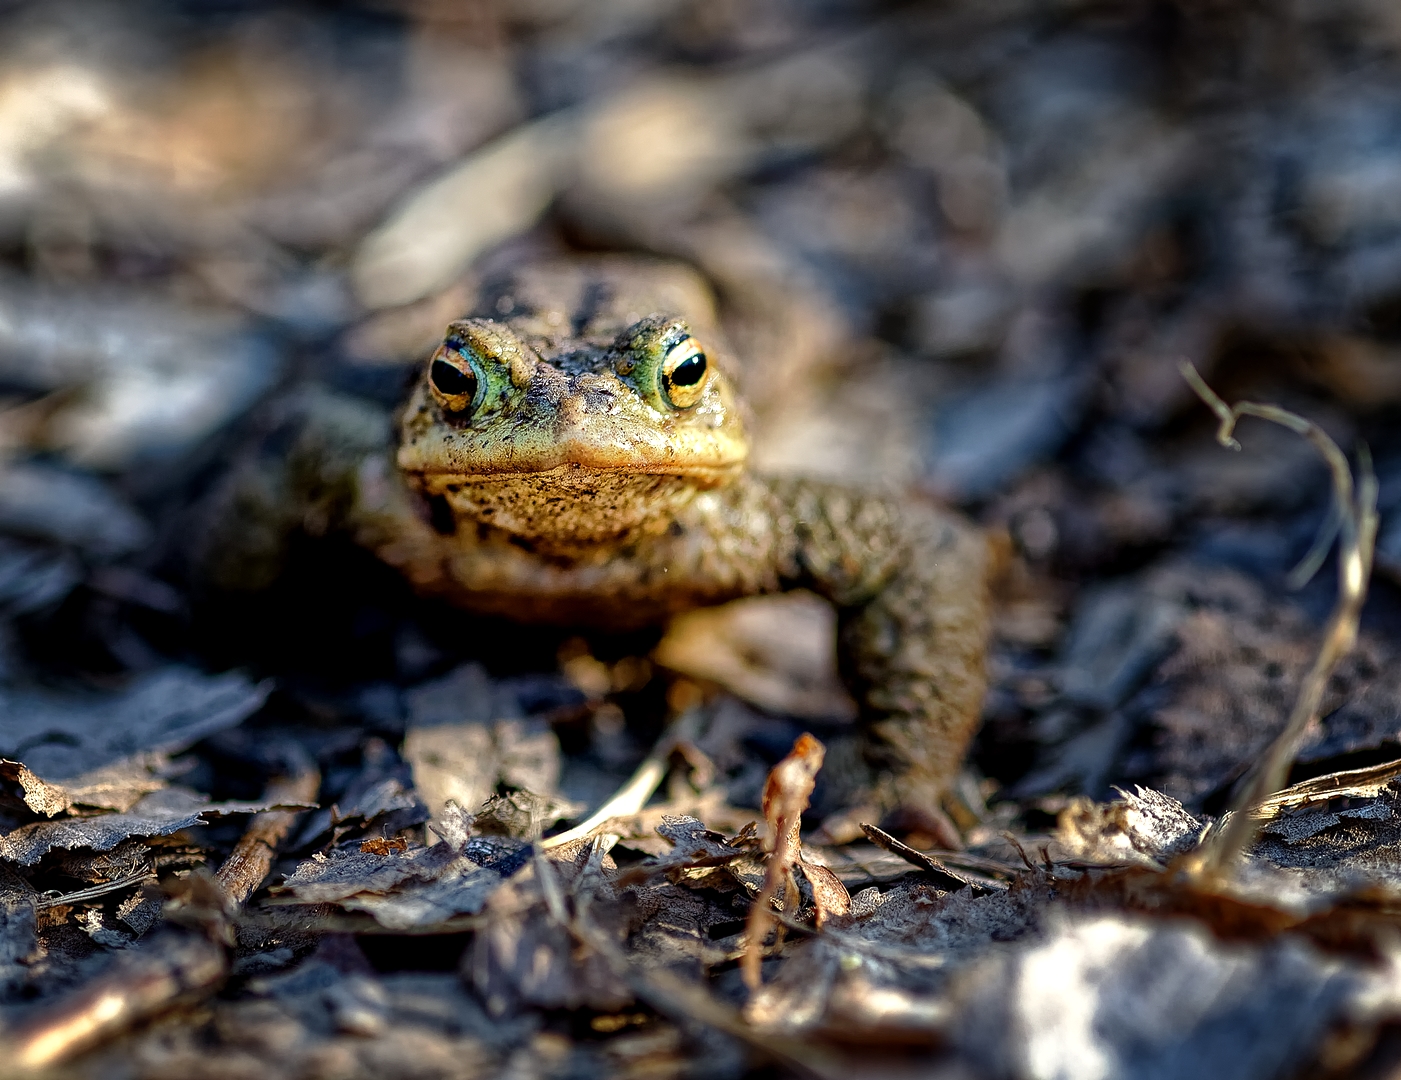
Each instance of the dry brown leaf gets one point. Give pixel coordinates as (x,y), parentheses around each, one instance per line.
(776,652)
(829,895)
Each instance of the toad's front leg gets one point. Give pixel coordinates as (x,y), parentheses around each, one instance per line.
(910,583)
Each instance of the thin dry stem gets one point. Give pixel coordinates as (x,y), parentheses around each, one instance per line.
(1356,514)
(93,892)
(633,795)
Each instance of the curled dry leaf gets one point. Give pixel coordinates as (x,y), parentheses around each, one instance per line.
(786,795)
(401,888)
(467,735)
(64,736)
(829,895)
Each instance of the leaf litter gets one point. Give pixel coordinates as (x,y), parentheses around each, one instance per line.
(394,844)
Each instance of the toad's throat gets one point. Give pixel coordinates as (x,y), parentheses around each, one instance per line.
(570,504)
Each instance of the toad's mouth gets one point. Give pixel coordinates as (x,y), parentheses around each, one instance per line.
(568,475)
(602,448)
(570,503)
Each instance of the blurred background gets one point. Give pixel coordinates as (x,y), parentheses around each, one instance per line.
(959,247)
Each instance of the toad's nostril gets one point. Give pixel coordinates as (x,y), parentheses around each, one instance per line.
(598,389)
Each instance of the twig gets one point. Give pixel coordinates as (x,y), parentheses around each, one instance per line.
(92,892)
(246,868)
(632,796)
(941,874)
(1356,514)
(184,966)
(1309,565)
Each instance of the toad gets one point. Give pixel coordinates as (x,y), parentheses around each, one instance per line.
(576,454)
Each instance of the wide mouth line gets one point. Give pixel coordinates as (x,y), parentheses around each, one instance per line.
(571,466)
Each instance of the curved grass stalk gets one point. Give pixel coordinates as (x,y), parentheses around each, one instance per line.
(1355,509)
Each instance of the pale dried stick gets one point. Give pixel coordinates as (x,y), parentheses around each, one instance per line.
(1356,513)
(632,796)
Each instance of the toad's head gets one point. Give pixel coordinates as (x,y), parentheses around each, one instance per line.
(577,442)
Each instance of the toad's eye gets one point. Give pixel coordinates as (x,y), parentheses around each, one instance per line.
(470,375)
(453,381)
(683,373)
(666,364)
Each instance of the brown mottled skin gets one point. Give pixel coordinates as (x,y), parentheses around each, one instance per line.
(568,487)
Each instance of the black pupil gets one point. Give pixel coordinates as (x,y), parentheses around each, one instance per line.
(690,371)
(452,381)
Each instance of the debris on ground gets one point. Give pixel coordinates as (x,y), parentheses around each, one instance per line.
(964,251)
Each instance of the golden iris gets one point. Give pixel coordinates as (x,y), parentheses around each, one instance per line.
(452,378)
(683,373)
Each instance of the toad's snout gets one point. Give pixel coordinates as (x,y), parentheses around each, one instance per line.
(588,395)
